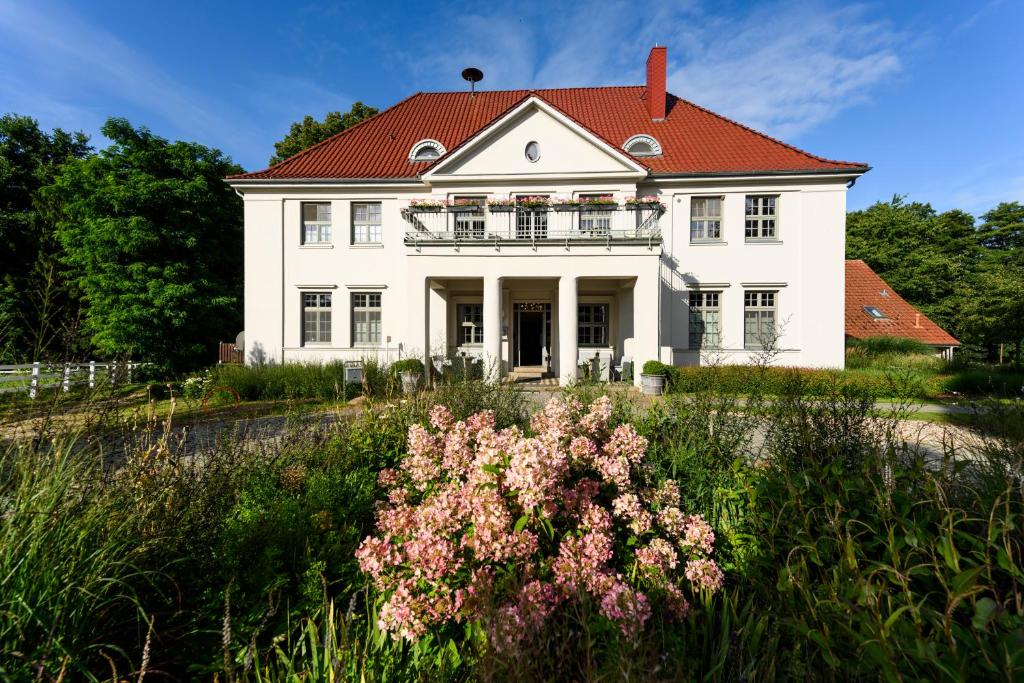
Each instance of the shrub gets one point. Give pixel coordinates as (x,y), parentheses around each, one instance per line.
(875,346)
(406,365)
(654,367)
(496,528)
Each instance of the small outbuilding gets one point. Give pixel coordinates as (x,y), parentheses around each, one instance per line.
(873,309)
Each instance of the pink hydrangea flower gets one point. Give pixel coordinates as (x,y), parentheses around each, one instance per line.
(705,574)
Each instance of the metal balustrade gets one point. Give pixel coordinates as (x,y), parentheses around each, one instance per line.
(614,225)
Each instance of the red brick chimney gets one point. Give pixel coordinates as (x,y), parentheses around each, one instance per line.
(656,66)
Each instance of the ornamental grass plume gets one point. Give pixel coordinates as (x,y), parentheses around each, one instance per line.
(503,528)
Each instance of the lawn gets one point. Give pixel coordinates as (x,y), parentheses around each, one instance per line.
(696,537)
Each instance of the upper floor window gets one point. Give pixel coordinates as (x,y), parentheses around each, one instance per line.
(761,217)
(595,220)
(759,331)
(366,314)
(532,151)
(642,146)
(426,150)
(470,221)
(366,223)
(705,219)
(592,325)
(531,222)
(316,223)
(705,320)
(471,324)
(316,318)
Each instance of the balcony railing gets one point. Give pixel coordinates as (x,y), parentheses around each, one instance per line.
(454,226)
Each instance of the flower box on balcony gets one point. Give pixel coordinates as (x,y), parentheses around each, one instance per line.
(598,206)
(426,207)
(464,208)
(501,208)
(566,207)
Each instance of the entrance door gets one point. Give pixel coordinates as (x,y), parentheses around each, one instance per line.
(531,342)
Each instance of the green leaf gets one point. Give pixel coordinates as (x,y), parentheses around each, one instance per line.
(521,523)
(491,469)
(984,610)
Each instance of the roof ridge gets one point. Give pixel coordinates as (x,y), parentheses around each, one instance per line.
(765,135)
(507,90)
(333,137)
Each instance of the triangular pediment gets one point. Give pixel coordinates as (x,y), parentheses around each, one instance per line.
(566,149)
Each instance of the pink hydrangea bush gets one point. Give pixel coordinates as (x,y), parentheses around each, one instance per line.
(500,528)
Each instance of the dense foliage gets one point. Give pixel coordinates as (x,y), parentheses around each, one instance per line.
(152,237)
(308,132)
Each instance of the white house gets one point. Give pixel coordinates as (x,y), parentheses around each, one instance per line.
(501,224)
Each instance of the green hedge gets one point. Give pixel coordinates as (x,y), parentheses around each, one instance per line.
(300,380)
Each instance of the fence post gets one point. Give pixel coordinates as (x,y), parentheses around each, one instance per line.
(33,386)
(66,384)
(92,374)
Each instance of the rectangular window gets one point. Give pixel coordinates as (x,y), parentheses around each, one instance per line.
(316,223)
(316,318)
(759,329)
(471,324)
(531,223)
(595,221)
(705,320)
(366,223)
(469,224)
(592,325)
(366,319)
(705,219)
(761,217)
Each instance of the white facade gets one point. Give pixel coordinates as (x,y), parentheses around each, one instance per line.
(638,269)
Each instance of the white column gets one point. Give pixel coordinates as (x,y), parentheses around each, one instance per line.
(568,355)
(492,326)
(645,320)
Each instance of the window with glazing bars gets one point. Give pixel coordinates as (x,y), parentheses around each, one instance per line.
(316,223)
(316,317)
(471,324)
(592,324)
(595,220)
(705,320)
(366,223)
(760,217)
(531,223)
(470,224)
(705,219)
(759,329)
(366,311)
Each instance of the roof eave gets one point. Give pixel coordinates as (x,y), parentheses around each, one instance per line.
(841,172)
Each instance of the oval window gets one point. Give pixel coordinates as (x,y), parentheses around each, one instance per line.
(532,151)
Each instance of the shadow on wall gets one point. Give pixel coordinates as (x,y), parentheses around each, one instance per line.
(257,356)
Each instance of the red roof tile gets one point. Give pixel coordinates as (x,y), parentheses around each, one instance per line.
(693,139)
(865,288)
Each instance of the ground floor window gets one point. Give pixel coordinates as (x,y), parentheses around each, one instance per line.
(366,315)
(471,324)
(316,318)
(705,320)
(759,329)
(592,325)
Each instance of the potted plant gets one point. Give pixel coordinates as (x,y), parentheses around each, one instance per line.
(533,202)
(425,205)
(646,202)
(410,370)
(465,205)
(653,378)
(566,205)
(598,204)
(501,205)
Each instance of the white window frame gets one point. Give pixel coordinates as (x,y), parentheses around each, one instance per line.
(531,223)
(366,230)
(598,223)
(704,224)
(316,231)
(760,307)
(763,224)
(705,319)
(317,309)
(470,320)
(470,225)
(588,322)
(365,306)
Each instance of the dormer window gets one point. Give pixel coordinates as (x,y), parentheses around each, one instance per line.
(642,146)
(426,150)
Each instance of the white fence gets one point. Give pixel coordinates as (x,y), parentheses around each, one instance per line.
(32,377)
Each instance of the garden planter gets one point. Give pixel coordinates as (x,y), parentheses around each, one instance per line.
(652,385)
(596,208)
(566,208)
(425,209)
(645,206)
(503,208)
(410,381)
(465,208)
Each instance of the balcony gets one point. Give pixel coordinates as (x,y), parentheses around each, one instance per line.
(525,226)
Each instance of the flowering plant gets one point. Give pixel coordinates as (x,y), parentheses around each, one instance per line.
(501,201)
(498,528)
(426,204)
(600,200)
(646,200)
(533,201)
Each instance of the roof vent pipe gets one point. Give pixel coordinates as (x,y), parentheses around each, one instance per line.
(473,75)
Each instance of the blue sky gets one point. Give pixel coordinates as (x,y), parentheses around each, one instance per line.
(931,94)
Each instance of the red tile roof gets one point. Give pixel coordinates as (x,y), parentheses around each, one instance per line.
(693,140)
(865,288)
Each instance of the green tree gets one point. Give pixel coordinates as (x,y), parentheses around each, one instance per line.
(152,236)
(308,132)
(37,310)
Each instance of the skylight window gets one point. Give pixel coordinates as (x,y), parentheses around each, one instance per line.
(426,150)
(875,312)
(642,146)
